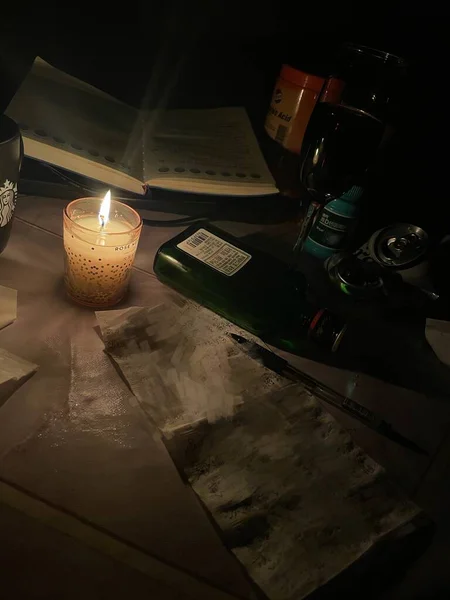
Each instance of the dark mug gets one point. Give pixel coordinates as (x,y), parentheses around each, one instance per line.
(11,154)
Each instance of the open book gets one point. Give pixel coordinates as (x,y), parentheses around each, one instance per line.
(73,125)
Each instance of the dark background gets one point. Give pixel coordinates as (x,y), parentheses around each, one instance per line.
(199,54)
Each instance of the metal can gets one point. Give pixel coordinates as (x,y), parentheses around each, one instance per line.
(354,277)
(401,247)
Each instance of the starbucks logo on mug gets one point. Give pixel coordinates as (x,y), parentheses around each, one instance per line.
(8,197)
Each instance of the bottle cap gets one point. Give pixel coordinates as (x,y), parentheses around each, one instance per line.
(327,329)
(304,80)
(353,194)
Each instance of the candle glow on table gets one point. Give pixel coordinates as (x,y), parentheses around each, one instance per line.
(100,240)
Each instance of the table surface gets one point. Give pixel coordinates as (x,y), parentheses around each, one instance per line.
(99,459)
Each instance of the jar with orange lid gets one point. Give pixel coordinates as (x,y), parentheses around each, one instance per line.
(292,103)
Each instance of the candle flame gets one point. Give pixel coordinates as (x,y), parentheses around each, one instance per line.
(105,207)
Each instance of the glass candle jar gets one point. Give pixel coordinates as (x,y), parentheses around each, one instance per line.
(99,251)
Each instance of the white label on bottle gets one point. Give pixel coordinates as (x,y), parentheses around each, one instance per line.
(215,252)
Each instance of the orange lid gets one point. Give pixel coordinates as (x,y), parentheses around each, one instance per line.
(304,80)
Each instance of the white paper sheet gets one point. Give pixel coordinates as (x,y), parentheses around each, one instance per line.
(14,371)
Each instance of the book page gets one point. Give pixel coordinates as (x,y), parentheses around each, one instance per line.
(213,145)
(72,118)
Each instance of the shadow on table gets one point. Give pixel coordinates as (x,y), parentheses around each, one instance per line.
(395,354)
(384,340)
(381,567)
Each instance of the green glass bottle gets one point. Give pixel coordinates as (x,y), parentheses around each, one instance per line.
(254,290)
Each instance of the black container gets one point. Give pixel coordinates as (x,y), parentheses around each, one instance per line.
(11,154)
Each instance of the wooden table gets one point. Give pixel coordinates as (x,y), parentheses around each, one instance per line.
(99,461)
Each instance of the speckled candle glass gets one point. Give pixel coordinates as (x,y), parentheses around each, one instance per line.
(98,260)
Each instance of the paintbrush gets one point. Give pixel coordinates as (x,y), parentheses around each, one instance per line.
(323,392)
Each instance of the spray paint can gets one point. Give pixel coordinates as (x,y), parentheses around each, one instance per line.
(400,247)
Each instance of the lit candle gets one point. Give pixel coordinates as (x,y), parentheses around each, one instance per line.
(100,241)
